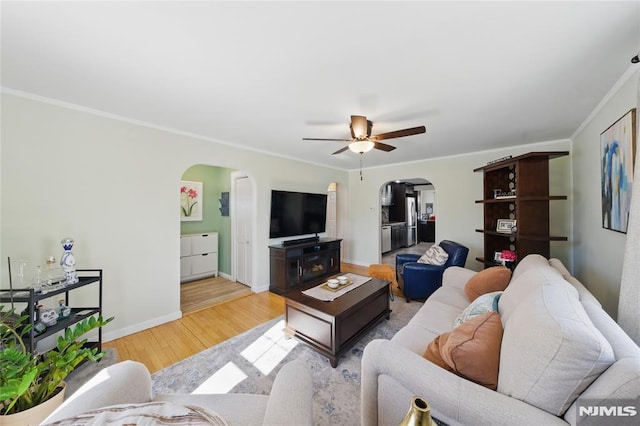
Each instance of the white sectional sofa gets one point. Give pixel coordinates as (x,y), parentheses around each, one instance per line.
(127,385)
(559,350)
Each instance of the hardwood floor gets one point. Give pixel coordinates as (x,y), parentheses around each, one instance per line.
(166,344)
(200,294)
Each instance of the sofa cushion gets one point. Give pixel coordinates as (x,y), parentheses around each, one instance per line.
(488,280)
(530,261)
(583,294)
(524,284)
(414,338)
(435,255)
(483,304)
(551,351)
(471,350)
(436,316)
(147,413)
(248,410)
(450,296)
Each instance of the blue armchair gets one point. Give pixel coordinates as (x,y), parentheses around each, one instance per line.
(419,280)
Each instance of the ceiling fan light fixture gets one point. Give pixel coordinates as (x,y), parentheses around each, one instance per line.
(360,147)
(360,127)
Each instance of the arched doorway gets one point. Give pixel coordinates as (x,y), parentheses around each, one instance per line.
(208,285)
(407,217)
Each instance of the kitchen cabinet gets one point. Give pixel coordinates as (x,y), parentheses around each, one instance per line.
(398,235)
(427,231)
(198,256)
(518,189)
(385,238)
(398,208)
(386,195)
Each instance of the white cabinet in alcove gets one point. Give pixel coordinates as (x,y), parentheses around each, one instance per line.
(198,256)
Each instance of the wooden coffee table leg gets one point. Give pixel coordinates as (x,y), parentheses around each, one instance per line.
(289,332)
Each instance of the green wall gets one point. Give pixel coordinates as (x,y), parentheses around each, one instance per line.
(215,180)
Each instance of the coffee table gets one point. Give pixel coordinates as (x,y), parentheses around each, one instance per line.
(331,328)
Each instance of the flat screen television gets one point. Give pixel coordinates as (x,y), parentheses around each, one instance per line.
(297,213)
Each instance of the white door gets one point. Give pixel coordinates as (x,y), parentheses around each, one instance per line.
(243,230)
(332,230)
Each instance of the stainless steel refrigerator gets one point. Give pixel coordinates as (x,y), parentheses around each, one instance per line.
(412,221)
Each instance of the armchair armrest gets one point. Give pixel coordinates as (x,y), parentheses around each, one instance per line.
(452,399)
(291,397)
(126,381)
(406,257)
(421,279)
(403,258)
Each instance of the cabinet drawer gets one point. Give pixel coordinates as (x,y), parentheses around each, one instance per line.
(204,263)
(185,246)
(206,243)
(356,321)
(185,267)
(311,327)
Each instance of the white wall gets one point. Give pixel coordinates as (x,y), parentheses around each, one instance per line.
(113,186)
(457,187)
(598,252)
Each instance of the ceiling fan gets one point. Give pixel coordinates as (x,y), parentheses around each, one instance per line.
(362,141)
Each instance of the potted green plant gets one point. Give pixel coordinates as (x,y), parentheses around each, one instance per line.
(30,379)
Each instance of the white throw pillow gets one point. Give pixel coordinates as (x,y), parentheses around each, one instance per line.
(481,305)
(435,255)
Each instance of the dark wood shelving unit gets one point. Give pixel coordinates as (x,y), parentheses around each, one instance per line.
(528,176)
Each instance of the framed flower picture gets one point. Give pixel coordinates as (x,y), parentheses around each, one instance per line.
(190,201)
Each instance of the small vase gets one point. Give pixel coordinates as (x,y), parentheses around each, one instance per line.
(419,414)
(68,261)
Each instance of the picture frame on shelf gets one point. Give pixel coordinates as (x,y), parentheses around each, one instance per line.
(497,256)
(505,226)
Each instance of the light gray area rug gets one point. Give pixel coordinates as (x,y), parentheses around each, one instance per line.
(336,398)
(88,369)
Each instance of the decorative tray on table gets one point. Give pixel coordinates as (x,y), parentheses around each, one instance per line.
(340,286)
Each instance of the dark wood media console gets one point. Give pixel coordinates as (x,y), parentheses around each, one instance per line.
(295,265)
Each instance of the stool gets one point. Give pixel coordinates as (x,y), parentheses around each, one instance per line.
(383,272)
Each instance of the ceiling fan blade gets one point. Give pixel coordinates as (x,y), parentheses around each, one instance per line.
(341,150)
(359,126)
(318,139)
(383,146)
(399,133)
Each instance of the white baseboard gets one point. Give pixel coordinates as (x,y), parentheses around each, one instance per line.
(354,262)
(260,288)
(116,334)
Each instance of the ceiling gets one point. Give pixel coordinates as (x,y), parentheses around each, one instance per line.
(263,75)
